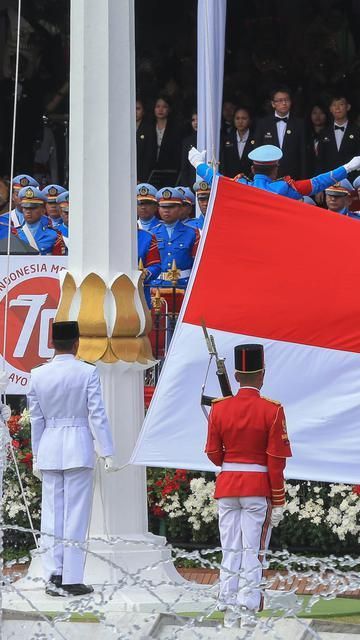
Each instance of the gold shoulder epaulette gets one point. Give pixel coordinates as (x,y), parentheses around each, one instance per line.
(219,399)
(271,400)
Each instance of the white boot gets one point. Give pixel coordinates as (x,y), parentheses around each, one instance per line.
(231,617)
(248,618)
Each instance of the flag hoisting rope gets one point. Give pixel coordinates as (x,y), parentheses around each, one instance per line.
(6,309)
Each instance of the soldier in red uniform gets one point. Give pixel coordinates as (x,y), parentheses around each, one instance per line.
(247,438)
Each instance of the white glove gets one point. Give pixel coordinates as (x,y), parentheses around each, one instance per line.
(35,469)
(5,412)
(353,164)
(4,381)
(109,464)
(196,157)
(277,515)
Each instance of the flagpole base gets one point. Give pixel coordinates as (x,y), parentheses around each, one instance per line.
(136,574)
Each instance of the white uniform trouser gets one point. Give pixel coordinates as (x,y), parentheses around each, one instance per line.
(245,531)
(65,512)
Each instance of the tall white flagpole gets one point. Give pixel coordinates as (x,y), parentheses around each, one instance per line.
(210,75)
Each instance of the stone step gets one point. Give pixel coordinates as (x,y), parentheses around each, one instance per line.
(169,627)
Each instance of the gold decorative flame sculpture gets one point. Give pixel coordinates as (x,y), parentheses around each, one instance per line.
(113,325)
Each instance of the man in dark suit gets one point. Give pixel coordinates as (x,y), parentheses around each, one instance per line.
(284,130)
(340,141)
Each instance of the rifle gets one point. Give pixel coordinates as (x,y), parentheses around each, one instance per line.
(220,369)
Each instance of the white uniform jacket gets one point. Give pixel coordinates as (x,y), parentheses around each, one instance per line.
(67,414)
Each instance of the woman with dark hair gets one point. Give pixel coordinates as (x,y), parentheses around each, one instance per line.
(237,144)
(166,138)
(187,172)
(145,157)
(315,123)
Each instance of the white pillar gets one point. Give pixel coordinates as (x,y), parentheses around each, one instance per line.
(102,134)
(103,239)
(102,217)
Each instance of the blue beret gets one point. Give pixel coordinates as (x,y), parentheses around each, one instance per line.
(189,197)
(23,180)
(51,191)
(63,197)
(31,197)
(266,154)
(169,195)
(146,191)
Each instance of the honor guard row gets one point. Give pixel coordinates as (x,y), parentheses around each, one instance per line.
(36,229)
(171,235)
(40,217)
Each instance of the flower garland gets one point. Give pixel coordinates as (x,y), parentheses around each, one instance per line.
(16,543)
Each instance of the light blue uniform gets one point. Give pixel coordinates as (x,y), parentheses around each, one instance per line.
(283,187)
(181,247)
(149,255)
(196,223)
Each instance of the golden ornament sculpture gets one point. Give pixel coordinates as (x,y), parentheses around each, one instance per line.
(114,320)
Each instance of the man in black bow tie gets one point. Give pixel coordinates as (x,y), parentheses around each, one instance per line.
(283,130)
(340,141)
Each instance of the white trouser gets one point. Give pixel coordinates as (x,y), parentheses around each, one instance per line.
(65,513)
(245,532)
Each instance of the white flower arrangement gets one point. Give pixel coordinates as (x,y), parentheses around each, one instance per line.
(335,506)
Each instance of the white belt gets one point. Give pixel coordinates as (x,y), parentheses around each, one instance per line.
(165,275)
(239,466)
(67,422)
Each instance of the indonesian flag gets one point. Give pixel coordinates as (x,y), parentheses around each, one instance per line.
(287,275)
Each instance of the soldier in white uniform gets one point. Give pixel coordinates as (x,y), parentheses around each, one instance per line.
(68,421)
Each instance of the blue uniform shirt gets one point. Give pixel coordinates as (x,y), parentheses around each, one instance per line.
(350,214)
(56,222)
(4,229)
(44,236)
(181,247)
(282,187)
(148,226)
(148,253)
(63,229)
(20,216)
(196,223)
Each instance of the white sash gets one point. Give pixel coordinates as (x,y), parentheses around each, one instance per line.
(30,238)
(14,219)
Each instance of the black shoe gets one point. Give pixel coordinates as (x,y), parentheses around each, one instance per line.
(53,587)
(77,589)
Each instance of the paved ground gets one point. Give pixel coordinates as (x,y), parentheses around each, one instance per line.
(301,586)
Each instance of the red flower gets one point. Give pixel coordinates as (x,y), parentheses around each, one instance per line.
(158,511)
(356,489)
(13,425)
(27,459)
(16,444)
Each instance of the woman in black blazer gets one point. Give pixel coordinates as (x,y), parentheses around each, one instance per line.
(166,138)
(145,151)
(237,144)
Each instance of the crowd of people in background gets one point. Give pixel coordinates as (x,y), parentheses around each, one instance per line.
(302,97)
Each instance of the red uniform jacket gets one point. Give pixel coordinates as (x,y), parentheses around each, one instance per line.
(248,428)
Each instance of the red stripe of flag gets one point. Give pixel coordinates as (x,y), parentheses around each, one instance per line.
(279,269)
